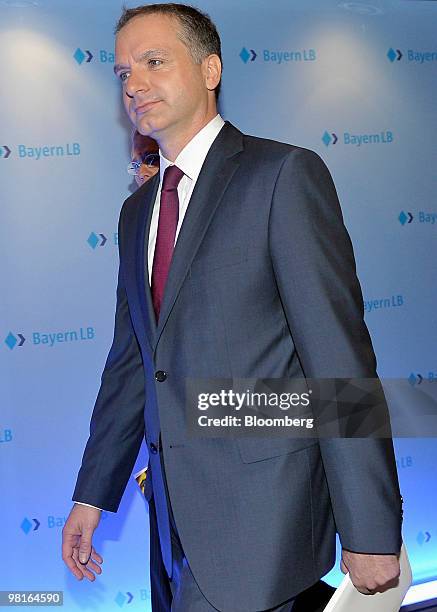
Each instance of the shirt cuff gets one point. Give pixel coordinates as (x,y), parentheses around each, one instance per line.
(90,505)
(140,472)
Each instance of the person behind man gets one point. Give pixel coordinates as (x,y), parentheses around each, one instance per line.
(251,275)
(143,166)
(144,158)
(160,592)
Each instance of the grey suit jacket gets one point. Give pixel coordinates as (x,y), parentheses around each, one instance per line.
(262,284)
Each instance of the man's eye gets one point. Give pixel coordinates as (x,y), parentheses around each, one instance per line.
(123,76)
(154,63)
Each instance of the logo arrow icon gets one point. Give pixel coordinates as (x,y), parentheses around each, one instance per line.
(415,379)
(246,55)
(80,56)
(422,538)
(130,597)
(328,138)
(26,525)
(394,55)
(95,240)
(11,340)
(6,150)
(405,218)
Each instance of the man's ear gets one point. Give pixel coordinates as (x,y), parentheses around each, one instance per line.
(212,70)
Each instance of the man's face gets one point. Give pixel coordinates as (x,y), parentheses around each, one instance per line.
(163,88)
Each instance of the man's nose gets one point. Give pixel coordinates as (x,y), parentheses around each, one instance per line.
(136,83)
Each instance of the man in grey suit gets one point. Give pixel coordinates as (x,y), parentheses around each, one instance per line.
(247,238)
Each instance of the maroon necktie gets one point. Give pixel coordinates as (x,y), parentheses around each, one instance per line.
(167,224)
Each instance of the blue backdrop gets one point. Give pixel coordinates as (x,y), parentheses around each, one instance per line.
(354,81)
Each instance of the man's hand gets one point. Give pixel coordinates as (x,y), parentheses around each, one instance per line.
(371,573)
(77,550)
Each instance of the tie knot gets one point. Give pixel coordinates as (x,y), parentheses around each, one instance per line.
(172,176)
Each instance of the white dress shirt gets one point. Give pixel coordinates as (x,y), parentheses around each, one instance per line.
(190,161)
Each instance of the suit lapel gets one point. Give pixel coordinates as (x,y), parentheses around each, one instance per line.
(217,171)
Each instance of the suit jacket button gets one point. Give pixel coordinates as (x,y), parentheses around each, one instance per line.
(160,376)
(153,448)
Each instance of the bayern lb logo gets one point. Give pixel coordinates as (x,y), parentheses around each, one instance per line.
(274,56)
(70,149)
(423,217)
(85,56)
(51,338)
(414,56)
(99,239)
(357,139)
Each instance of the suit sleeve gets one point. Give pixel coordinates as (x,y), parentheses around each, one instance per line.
(315,272)
(117,421)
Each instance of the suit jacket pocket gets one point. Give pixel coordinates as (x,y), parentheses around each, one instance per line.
(258,449)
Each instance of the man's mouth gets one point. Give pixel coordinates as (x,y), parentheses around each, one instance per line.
(143,108)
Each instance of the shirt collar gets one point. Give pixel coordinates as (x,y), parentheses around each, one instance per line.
(190,159)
